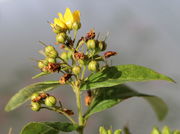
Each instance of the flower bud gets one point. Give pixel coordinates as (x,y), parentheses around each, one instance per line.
(40,64)
(50,101)
(51,60)
(76,26)
(76,70)
(64,56)
(91,44)
(176,132)
(61,37)
(109,131)
(35,106)
(102,45)
(118,131)
(34,95)
(93,66)
(51,52)
(102,130)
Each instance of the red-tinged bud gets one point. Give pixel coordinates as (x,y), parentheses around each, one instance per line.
(79,56)
(109,54)
(67,111)
(90,35)
(88,100)
(64,78)
(43,95)
(53,67)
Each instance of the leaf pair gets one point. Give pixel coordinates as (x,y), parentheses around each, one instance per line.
(106,83)
(48,128)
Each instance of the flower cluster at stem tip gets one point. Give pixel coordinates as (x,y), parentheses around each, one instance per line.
(76,56)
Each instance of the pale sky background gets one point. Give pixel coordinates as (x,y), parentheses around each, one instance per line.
(144,32)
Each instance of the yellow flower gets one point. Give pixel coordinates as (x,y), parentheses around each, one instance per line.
(67,22)
(70,18)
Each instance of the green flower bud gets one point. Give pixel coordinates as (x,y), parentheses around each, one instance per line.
(93,66)
(118,131)
(51,60)
(51,52)
(76,26)
(50,101)
(64,56)
(102,45)
(76,70)
(109,132)
(155,131)
(49,48)
(40,64)
(102,130)
(91,44)
(34,95)
(35,106)
(61,37)
(166,130)
(176,132)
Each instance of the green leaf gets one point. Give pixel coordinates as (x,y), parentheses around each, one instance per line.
(48,128)
(40,74)
(109,96)
(116,75)
(24,94)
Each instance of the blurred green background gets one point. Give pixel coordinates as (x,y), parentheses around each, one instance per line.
(144,32)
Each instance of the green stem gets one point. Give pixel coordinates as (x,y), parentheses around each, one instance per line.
(79,106)
(61,112)
(83,72)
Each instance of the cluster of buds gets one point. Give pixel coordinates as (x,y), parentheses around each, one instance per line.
(67,22)
(76,55)
(37,99)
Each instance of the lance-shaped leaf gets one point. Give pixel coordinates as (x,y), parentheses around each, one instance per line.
(116,75)
(48,128)
(108,97)
(24,94)
(40,74)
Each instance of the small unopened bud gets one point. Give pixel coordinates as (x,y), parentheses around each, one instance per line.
(61,37)
(102,130)
(109,131)
(118,131)
(51,60)
(76,70)
(51,52)
(34,95)
(64,56)
(102,45)
(76,26)
(50,101)
(91,44)
(109,54)
(35,106)
(93,66)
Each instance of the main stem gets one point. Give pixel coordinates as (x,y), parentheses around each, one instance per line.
(79,106)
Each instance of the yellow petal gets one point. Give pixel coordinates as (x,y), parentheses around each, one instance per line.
(60,23)
(76,16)
(61,16)
(68,18)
